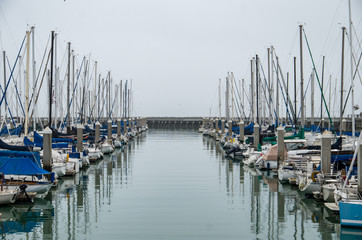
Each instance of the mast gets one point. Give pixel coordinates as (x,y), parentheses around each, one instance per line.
(352,80)
(4,57)
(34,77)
(269,89)
(109,94)
(73,77)
(277,92)
(51,80)
(125,100)
(322,88)
(68,92)
(329,100)
(257,87)
(252,90)
(95,91)
(27,83)
(301,76)
(295,92)
(272,81)
(286,112)
(232,96)
(242,95)
(227,114)
(120,100)
(312,97)
(220,98)
(56,92)
(342,70)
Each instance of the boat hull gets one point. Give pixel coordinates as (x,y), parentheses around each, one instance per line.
(351,213)
(7,197)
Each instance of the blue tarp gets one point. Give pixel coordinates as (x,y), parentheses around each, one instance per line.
(39,139)
(34,156)
(341,158)
(27,142)
(20,166)
(14,131)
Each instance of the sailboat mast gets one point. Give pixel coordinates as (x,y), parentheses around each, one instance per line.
(322,89)
(312,97)
(277,92)
(301,76)
(227,99)
(73,77)
(269,89)
(120,100)
(220,98)
(51,80)
(352,80)
(295,92)
(342,70)
(232,96)
(34,77)
(95,92)
(68,92)
(257,88)
(4,57)
(27,83)
(56,92)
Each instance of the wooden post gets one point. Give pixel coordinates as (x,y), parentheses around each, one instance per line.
(47,149)
(326,152)
(118,127)
(280,139)
(80,138)
(97,132)
(256,135)
(241,131)
(109,126)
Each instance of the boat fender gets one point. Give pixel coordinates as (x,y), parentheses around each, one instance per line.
(315,218)
(313,175)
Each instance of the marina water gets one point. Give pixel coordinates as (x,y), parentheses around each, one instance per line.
(171,184)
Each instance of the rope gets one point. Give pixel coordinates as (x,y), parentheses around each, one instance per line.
(319,84)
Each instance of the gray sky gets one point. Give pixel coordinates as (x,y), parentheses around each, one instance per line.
(175,51)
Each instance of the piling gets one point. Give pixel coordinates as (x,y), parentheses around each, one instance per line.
(80,138)
(212,124)
(119,127)
(230,126)
(280,144)
(359,168)
(109,128)
(47,149)
(326,152)
(241,131)
(222,126)
(344,125)
(203,122)
(125,125)
(97,132)
(256,135)
(217,126)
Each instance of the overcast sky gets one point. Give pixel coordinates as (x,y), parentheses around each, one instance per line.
(176,51)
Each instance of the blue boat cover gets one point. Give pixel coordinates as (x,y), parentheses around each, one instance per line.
(20,166)
(34,156)
(27,142)
(14,131)
(39,139)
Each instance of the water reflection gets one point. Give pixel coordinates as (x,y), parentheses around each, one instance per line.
(73,208)
(276,211)
(174,185)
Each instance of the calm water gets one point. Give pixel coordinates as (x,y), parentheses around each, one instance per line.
(171,184)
